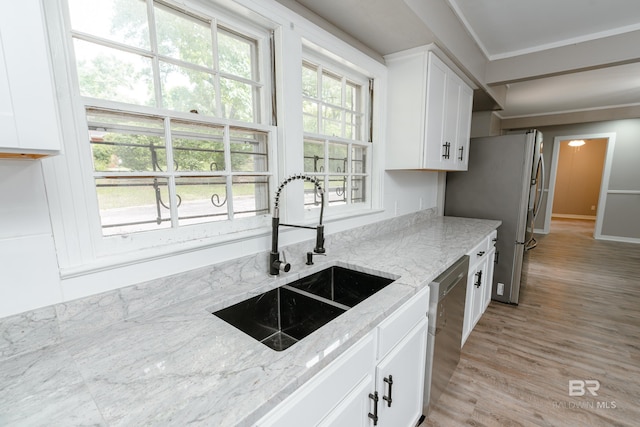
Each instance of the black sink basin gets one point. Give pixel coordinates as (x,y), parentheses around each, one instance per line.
(281,317)
(342,285)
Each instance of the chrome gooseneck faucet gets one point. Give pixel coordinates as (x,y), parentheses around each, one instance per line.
(275,264)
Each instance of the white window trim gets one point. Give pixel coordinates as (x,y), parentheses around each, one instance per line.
(72,201)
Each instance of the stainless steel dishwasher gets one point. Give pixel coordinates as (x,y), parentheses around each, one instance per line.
(444,340)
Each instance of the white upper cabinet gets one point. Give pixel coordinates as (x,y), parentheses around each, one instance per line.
(29,125)
(429,112)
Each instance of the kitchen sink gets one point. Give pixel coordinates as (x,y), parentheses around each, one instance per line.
(283,316)
(341,285)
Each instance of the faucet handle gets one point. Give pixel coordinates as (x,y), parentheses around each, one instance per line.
(284,265)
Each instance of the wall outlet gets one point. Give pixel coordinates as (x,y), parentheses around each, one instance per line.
(593,207)
(500,290)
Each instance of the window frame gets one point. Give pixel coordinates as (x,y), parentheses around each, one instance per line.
(326,60)
(72,107)
(88,261)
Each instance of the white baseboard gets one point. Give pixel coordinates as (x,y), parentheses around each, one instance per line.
(571,216)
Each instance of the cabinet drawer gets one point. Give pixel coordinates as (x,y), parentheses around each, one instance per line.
(396,326)
(493,238)
(479,251)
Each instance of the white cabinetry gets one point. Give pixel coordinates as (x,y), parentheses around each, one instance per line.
(379,381)
(400,379)
(29,124)
(479,283)
(429,110)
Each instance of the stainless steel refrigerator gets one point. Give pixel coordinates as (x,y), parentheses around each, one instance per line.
(505,181)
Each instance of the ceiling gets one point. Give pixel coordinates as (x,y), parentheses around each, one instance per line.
(533,57)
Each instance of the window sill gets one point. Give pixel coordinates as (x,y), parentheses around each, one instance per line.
(111,262)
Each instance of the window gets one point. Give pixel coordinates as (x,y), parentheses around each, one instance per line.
(336,141)
(175,107)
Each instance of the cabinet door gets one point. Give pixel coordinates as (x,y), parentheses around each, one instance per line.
(479,286)
(465,101)
(489,279)
(354,410)
(28,109)
(435,148)
(451,116)
(468,305)
(319,396)
(400,380)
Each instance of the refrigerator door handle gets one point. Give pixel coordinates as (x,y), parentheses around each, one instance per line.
(538,203)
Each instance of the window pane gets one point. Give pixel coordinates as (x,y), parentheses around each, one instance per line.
(185,89)
(310,116)
(183,37)
(249,151)
(331,127)
(236,55)
(237,100)
(309,81)
(358,189)
(338,158)
(201,199)
(197,147)
(112,74)
(314,156)
(331,121)
(359,159)
(250,195)
(120,21)
(331,89)
(130,205)
(125,143)
(311,196)
(350,127)
(337,192)
(350,96)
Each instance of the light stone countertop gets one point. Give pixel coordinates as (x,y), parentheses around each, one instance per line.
(106,361)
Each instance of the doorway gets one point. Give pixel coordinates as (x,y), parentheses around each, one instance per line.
(579,178)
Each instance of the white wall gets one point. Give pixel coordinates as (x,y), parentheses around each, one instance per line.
(28,265)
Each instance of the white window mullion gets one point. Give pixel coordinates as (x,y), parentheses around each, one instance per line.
(343,106)
(155,62)
(349,173)
(320,101)
(171,181)
(216,68)
(227,170)
(327,170)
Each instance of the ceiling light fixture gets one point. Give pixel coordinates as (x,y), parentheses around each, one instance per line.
(576,143)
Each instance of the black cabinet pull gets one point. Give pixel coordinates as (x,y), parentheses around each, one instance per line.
(479,281)
(447,150)
(390,382)
(480,253)
(375,399)
(461,153)
(496,256)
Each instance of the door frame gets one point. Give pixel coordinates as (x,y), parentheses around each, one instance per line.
(604,183)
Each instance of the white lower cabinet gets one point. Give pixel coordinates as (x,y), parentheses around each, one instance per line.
(400,380)
(353,410)
(329,390)
(479,282)
(377,382)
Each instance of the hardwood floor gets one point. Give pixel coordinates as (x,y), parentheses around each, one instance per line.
(578,320)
